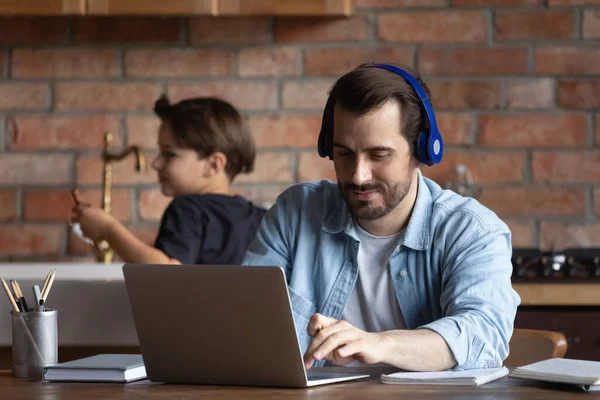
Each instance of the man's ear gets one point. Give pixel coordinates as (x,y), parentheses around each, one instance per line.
(215,163)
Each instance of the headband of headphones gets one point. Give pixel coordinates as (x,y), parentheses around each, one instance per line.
(430,146)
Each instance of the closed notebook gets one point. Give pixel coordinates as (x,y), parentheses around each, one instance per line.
(563,370)
(99,368)
(473,377)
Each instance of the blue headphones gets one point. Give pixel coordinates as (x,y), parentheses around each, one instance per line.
(430,146)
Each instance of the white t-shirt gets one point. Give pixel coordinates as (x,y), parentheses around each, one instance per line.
(373,306)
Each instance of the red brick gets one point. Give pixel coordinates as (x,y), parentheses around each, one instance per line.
(23,96)
(220,30)
(591,24)
(64,63)
(126,29)
(265,61)
(530,93)
(558,236)
(35,169)
(339,60)
(597,123)
(152,205)
(567,60)
(269,167)
(34,29)
(457,94)
(306,95)
(473,61)
(432,26)
(8,205)
(311,167)
(534,25)
(560,3)
(143,131)
(285,131)
(261,196)
(532,130)
(495,3)
(485,167)
(30,240)
(398,3)
(90,172)
(525,202)
(288,29)
(581,93)
(61,132)
(521,232)
(105,96)
(597,201)
(178,62)
(455,127)
(243,95)
(55,205)
(566,166)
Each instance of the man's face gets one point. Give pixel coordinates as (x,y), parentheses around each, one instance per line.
(372,160)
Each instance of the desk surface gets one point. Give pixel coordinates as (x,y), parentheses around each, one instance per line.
(372,388)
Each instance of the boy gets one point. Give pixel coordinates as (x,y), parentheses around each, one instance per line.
(203,145)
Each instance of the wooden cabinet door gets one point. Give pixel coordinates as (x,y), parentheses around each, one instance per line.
(151,7)
(285,7)
(41,7)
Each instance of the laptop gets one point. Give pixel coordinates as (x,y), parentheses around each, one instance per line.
(218,325)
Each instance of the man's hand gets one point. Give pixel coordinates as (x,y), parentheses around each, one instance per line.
(341,343)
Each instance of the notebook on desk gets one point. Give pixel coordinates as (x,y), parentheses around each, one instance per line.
(473,377)
(218,325)
(99,368)
(563,370)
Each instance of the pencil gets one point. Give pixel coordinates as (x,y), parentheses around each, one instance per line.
(16,296)
(21,297)
(46,280)
(46,291)
(10,296)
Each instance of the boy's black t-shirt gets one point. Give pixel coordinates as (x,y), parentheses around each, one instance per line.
(208,228)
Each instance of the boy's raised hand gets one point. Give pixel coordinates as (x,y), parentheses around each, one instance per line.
(95,222)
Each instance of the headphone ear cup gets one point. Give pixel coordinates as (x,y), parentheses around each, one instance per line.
(435,147)
(423,148)
(322,145)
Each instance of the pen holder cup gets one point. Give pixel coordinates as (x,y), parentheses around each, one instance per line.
(34,342)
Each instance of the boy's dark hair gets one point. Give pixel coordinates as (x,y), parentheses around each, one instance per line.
(365,89)
(208,125)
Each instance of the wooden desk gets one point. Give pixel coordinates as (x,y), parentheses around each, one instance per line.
(372,388)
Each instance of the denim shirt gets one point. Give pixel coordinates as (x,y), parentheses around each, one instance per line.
(451,270)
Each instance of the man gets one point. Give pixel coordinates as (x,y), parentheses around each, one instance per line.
(385,266)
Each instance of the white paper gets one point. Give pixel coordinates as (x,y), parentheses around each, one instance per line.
(467,377)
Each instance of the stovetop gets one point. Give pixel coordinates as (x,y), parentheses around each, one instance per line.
(569,265)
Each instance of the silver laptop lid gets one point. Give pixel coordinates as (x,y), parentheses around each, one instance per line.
(215,324)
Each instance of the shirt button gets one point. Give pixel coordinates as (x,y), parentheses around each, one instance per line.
(403,273)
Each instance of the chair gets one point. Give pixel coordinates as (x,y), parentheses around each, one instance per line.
(531,345)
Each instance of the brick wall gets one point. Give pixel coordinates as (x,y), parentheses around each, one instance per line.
(515,85)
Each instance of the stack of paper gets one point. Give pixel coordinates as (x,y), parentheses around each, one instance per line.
(474,377)
(563,370)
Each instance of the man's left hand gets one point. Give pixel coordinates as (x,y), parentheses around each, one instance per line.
(342,343)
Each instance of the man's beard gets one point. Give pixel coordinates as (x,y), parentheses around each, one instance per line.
(362,209)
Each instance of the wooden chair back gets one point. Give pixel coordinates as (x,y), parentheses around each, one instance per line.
(531,345)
